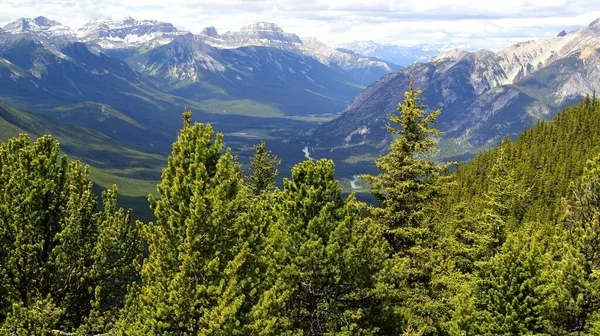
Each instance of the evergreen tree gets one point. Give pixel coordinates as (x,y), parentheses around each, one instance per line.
(502,204)
(465,238)
(408,189)
(324,260)
(543,161)
(62,265)
(263,170)
(117,257)
(579,279)
(512,295)
(409,181)
(190,283)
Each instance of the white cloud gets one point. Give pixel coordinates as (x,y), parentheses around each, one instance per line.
(481,24)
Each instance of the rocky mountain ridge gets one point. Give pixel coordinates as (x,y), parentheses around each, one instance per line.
(128,33)
(484,95)
(51,34)
(146,34)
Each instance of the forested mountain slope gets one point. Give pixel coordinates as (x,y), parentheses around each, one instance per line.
(134,169)
(544,160)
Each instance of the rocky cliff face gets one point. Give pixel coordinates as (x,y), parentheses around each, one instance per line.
(484,95)
(262,33)
(128,33)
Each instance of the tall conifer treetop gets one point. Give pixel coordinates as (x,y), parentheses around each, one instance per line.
(263,170)
(408,181)
(190,279)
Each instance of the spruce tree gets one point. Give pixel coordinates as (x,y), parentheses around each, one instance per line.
(63,266)
(503,203)
(408,189)
(408,183)
(190,280)
(263,170)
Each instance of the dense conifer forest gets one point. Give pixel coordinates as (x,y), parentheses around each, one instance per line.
(506,244)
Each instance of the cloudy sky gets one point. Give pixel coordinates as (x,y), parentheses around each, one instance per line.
(491,24)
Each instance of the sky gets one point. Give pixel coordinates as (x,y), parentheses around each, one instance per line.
(490,24)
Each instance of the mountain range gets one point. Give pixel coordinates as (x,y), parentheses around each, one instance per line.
(147,34)
(403,55)
(484,95)
(128,81)
(308,78)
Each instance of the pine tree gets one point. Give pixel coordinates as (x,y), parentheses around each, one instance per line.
(263,172)
(513,287)
(323,260)
(190,283)
(54,272)
(117,257)
(579,281)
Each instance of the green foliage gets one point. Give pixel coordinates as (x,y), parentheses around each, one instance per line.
(189,279)
(544,160)
(512,287)
(502,206)
(62,264)
(323,259)
(408,189)
(579,280)
(263,170)
(39,318)
(510,247)
(408,183)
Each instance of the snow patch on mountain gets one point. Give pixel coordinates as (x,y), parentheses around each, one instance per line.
(128,33)
(270,35)
(50,33)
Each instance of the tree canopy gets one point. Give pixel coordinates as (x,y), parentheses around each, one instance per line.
(508,243)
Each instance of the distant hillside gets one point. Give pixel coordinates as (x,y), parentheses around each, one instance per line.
(134,170)
(545,158)
(398,54)
(484,96)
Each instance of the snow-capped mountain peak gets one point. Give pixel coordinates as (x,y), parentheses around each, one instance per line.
(209,31)
(268,34)
(43,30)
(128,33)
(38,24)
(262,34)
(267,27)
